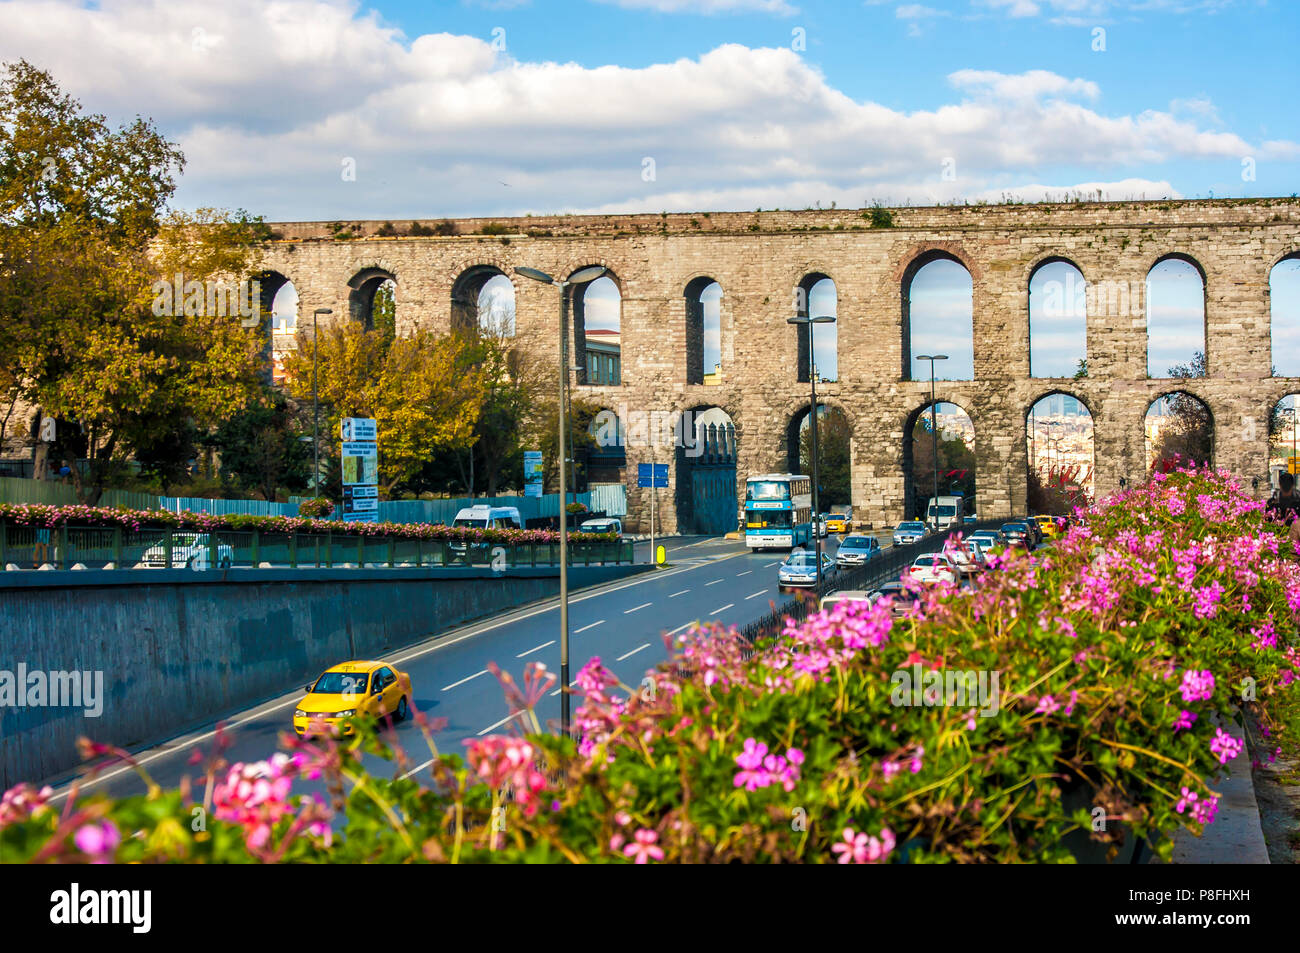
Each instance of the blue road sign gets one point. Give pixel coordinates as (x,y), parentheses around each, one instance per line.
(652,474)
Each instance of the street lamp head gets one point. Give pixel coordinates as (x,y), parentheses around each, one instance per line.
(584,275)
(536,275)
(823,319)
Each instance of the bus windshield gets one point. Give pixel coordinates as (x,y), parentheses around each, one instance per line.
(768,519)
(767,490)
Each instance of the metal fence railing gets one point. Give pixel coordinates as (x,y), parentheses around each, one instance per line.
(870,575)
(96,547)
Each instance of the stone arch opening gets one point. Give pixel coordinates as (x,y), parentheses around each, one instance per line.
(1179,430)
(817,295)
(605,454)
(953,467)
(705,461)
(371,290)
(483,302)
(597,310)
(938,297)
(1284,438)
(703,331)
(1175,312)
(834,452)
(1060,454)
(1058,320)
(1284,315)
(277,306)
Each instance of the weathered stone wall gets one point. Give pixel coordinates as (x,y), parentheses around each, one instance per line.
(760,258)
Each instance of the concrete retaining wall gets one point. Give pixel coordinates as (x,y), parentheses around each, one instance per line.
(179,648)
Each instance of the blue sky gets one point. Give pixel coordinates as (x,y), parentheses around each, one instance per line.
(328,109)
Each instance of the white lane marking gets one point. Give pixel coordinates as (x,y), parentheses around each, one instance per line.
(586,627)
(290,699)
(745,573)
(757,594)
(557,691)
(770,565)
(418,767)
(676,594)
(537,648)
(714,583)
(499,723)
(636,608)
(729,605)
(447,688)
(633,652)
(680,627)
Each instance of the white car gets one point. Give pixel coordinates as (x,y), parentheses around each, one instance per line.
(608,525)
(967,557)
(189,551)
(850,595)
(933,567)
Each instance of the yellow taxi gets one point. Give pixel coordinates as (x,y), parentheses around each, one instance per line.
(1049,526)
(837,523)
(364,689)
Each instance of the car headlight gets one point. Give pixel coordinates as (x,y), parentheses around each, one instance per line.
(299,713)
(345,714)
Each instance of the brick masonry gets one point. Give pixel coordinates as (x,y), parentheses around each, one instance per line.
(759,259)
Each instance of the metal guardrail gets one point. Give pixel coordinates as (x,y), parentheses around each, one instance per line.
(870,575)
(96,547)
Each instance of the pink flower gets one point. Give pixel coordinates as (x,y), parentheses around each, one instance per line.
(1225,746)
(1047,704)
(98,840)
(1185,719)
(643,848)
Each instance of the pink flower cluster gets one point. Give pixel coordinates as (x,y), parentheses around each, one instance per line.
(859,848)
(502,761)
(98,840)
(23,801)
(256,797)
(1202,809)
(759,769)
(1225,746)
(1197,686)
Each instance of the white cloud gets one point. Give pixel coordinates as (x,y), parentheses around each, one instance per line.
(275,97)
(916,11)
(706,6)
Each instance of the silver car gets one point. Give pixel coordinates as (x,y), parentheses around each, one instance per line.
(909,532)
(856,550)
(800,569)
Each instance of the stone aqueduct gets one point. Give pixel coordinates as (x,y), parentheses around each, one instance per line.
(759,258)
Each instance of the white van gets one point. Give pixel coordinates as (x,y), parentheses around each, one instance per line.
(602,525)
(489,517)
(944,511)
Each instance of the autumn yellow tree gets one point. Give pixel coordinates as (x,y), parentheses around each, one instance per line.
(424,390)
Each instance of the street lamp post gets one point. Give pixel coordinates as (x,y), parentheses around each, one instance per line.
(934,428)
(812,378)
(315,404)
(577,278)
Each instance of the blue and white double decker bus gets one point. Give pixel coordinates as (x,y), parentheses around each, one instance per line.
(778,511)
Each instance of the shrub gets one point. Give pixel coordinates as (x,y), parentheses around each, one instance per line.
(319,507)
(1118,650)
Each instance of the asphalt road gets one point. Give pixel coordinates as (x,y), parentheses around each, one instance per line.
(712,580)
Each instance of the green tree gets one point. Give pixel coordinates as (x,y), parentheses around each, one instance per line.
(1188,435)
(262,449)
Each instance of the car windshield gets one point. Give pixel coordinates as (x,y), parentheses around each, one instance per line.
(767,490)
(944,510)
(1014,528)
(802,561)
(479,523)
(594,528)
(341,683)
(925,561)
(857,542)
(910,527)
